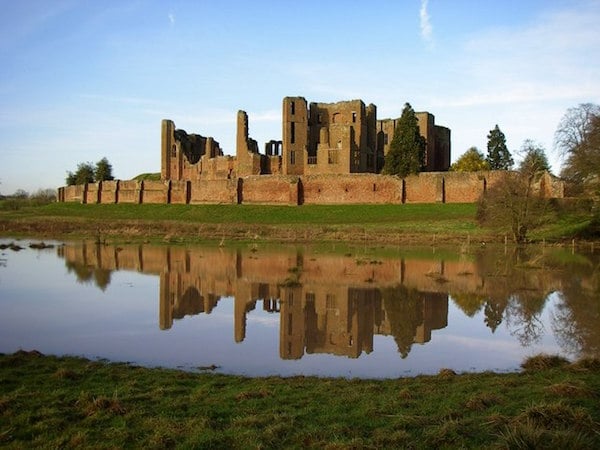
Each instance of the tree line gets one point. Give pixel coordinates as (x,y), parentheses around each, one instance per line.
(515,203)
(88,172)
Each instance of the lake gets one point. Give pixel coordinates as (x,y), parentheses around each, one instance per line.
(258,310)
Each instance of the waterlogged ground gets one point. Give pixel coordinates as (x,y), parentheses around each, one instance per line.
(300,310)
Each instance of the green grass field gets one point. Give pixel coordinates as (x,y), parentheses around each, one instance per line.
(381,224)
(260,214)
(49,402)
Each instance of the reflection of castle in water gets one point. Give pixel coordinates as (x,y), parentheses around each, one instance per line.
(327,303)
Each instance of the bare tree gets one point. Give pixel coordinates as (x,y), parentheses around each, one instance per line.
(514,202)
(577,138)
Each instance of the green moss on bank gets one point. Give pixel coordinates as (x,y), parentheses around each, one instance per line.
(69,402)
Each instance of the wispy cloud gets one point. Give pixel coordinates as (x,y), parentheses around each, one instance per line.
(171,18)
(426,28)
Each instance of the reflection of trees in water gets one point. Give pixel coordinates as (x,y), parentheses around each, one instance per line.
(86,274)
(494,312)
(523,317)
(404,309)
(518,281)
(566,329)
(521,282)
(470,303)
(576,319)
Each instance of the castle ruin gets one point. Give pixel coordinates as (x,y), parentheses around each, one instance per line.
(318,139)
(330,153)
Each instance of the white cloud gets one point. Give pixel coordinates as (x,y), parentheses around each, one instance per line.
(426,28)
(522,78)
(172,18)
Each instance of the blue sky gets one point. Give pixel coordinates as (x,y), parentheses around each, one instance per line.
(80,80)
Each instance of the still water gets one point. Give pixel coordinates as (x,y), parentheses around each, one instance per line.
(300,311)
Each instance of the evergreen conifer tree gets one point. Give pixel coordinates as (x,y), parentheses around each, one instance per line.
(498,157)
(407,149)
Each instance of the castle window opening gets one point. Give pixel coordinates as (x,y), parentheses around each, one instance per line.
(293,108)
(332,157)
(330,301)
(293,157)
(374,187)
(174,151)
(335,118)
(312,160)
(320,118)
(385,139)
(292,132)
(353,116)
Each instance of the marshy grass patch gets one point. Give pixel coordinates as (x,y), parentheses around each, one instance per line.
(557,415)
(482,401)
(65,374)
(570,389)
(446,373)
(588,363)
(528,436)
(384,438)
(250,395)
(543,362)
(91,405)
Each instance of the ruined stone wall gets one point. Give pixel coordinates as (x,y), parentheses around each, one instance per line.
(465,187)
(179,192)
(442,148)
(71,193)
(248,160)
(107,191)
(91,193)
(427,187)
(342,127)
(155,192)
(214,191)
(426,123)
(129,191)
(266,189)
(356,188)
(551,187)
(184,156)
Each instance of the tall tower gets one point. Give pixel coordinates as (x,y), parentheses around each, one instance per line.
(295,135)
(167,148)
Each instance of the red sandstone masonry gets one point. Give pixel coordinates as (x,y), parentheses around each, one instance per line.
(357,188)
(217,191)
(424,188)
(270,189)
(155,192)
(129,191)
(428,187)
(464,187)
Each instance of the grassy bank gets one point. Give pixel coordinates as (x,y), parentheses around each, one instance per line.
(374,223)
(68,402)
